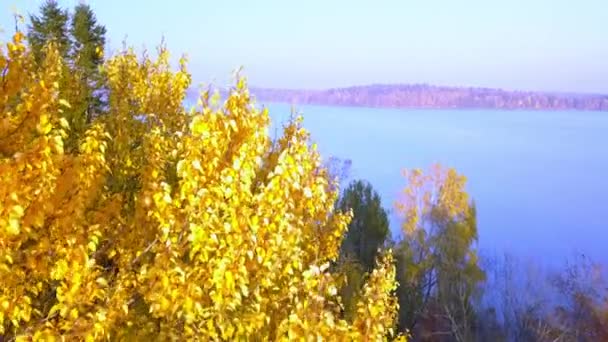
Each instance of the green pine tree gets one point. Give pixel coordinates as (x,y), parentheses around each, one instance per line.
(368,229)
(88,43)
(81,42)
(50,25)
(367,233)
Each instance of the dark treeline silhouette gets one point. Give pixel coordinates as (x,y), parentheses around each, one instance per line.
(428,96)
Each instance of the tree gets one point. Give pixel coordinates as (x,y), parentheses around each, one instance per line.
(437,264)
(583,313)
(80,43)
(50,25)
(533,305)
(517,292)
(366,234)
(88,42)
(165,223)
(368,228)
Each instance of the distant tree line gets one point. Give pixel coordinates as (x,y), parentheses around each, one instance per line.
(428,96)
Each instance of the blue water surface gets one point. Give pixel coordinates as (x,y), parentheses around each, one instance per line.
(538,178)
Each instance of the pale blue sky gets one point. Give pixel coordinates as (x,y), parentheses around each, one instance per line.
(555,45)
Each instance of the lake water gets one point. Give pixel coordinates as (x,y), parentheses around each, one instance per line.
(539,179)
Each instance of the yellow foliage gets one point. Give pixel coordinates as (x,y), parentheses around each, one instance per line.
(165,223)
(437,194)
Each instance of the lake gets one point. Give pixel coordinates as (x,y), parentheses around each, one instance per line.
(539,179)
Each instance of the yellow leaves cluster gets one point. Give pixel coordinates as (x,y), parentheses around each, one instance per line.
(438,192)
(166,223)
(375,305)
(44,194)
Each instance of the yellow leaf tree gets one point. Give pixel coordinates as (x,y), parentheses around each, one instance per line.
(166,223)
(438,268)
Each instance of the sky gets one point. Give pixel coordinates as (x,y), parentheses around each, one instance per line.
(547,45)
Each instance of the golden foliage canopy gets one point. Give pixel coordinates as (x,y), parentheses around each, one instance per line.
(165,222)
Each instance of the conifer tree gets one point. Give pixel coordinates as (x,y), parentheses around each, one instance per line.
(80,43)
(50,25)
(88,42)
(368,229)
(367,232)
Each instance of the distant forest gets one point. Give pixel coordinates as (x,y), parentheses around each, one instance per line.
(429,96)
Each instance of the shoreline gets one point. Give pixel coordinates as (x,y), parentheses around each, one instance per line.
(458,108)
